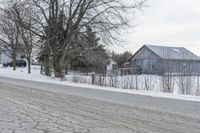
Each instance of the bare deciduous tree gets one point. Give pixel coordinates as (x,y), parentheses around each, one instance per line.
(58,23)
(17,11)
(27,38)
(9,35)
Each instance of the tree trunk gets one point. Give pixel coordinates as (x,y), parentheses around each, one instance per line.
(47,66)
(47,70)
(58,69)
(41,69)
(67,65)
(29,64)
(14,60)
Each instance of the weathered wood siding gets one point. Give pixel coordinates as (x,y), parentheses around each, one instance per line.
(184,67)
(150,63)
(144,53)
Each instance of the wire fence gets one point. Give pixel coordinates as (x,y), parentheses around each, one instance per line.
(188,85)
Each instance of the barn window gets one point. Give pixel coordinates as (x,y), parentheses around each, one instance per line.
(153,66)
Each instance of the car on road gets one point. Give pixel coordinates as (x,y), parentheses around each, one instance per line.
(19,63)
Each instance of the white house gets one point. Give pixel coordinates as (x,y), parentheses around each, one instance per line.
(5,55)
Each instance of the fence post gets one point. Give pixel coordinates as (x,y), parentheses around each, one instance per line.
(197,93)
(93,78)
(41,69)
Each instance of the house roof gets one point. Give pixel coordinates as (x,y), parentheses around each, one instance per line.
(166,52)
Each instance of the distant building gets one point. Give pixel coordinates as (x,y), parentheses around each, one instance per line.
(111,66)
(5,55)
(161,60)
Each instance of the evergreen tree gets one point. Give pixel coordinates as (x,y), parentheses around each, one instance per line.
(121,58)
(92,55)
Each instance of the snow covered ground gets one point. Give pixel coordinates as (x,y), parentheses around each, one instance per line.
(21,73)
(173,84)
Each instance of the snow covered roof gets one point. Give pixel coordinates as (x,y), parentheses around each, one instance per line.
(166,52)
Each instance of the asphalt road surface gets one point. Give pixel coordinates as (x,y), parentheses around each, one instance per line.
(36,107)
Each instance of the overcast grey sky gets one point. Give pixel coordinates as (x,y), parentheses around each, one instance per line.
(167,22)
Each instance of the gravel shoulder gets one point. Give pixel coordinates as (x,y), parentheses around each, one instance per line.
(24,109)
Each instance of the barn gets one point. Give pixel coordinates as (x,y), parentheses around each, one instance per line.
(162,60)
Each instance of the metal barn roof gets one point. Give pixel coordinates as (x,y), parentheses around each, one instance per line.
(172,52)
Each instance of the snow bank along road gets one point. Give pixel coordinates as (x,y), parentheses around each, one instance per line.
(34,107)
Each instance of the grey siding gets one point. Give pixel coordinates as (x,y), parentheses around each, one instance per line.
(147,61)
(185,67)
(144,53)
(148,66)
(150,63)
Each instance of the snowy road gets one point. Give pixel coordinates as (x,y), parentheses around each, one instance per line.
(34,107)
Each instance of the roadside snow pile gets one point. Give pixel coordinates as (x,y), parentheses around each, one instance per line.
(21,73)
(148,85)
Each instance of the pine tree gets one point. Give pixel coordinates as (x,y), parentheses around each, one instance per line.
(92,55)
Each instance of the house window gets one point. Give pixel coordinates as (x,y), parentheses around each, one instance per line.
(22,56)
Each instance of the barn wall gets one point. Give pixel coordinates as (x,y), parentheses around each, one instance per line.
(147,61)
(144,53)
(149,66)
(150,63)
(185,67)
